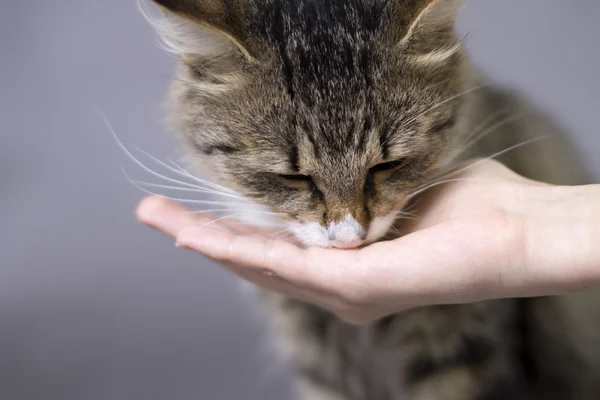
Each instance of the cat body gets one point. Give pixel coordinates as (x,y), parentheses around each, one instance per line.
(330,113)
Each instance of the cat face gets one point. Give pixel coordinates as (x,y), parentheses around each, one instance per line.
(327,113)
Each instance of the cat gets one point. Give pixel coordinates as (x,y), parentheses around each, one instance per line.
(330,113)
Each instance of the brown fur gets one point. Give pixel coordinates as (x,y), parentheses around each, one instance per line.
(300,113)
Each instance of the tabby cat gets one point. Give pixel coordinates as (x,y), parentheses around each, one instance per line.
(330,112)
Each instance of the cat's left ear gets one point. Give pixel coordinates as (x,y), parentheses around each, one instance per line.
(425,16)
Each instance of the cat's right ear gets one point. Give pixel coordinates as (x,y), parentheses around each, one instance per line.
(200,27)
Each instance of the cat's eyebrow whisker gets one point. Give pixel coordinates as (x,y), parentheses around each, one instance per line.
(441,103)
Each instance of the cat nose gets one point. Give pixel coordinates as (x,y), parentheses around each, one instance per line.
(347,233)
(347,244)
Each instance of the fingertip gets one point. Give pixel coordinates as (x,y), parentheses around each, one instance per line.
(150,207)
(209,241)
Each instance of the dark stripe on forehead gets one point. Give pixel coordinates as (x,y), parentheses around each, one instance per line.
(280,36)
(365,133)
(294,158)
(319,42)
(351,130)
(384,137)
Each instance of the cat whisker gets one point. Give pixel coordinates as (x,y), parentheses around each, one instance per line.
(396,230)
(185,173)
(137,161)
(476,131)
(281,229)
(203,181)
(188,174)
(488,131)
(434,184)
(502,152)
(191,201)
(184,189)
(452,172)
(199,212)
(232,209)
(449,99)
(407,215)
(490,118)
(218,219)
(178,170)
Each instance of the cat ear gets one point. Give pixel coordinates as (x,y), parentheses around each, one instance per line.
(200,27)
(426,16)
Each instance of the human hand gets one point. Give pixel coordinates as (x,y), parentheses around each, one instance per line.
(489,233)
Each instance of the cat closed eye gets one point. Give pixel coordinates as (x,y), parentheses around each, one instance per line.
(444,125)
(389,166)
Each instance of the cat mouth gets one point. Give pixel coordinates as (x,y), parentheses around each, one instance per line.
(348,245)
(343,236)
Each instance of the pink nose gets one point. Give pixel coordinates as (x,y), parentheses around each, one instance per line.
(349,244)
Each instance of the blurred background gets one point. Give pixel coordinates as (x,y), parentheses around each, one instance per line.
(94,306)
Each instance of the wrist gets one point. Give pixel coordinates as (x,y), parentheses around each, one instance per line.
(562,233)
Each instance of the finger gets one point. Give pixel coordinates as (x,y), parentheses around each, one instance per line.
(164,215)
(308,268)
(171,218)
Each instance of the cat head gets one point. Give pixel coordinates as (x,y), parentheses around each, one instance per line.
(327,112)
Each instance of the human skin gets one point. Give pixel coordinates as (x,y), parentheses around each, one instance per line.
(488,234)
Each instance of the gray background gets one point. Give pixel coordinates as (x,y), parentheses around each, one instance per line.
(95,306)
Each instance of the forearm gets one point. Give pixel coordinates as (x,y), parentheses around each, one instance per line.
(562,231)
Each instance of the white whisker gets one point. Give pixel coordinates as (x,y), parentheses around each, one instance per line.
(186,174)
(202,181)
(508,149)
(225,203)
(137,161)
(218,219)
(434,184)
(487,131)
(184,189)
(485,122)
(449,99)
(425,186)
